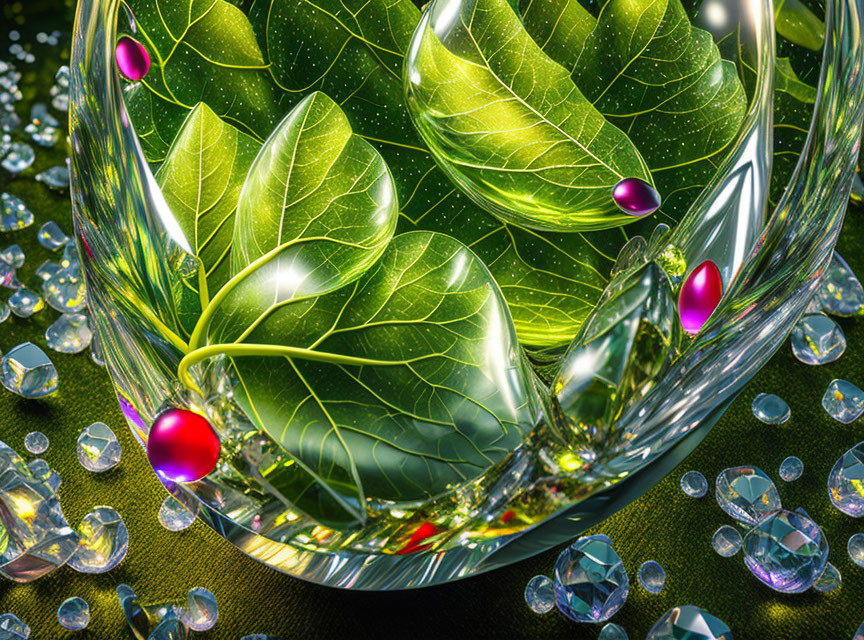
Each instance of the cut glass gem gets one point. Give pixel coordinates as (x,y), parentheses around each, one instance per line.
(174,515)
(840,293)
(817,339)
(791,469)
(652,577)
(15,214)
(829,580)
(855,548)
(690,623)
(846,482)
(200,612)
(55,177)
(612,632)
(74,614)
(746,494)
(65,290)
(13,255)
(540,594)
(591,584)
(36,442)
(24,303)
(69,334)
(98,448)
(104,542)
(19,157)
(843,401)
(694,484)
(51,236)
(28,372)
(727,541)
(13,628)
(771,409)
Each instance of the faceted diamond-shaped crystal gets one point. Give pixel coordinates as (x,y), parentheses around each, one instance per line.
(688,623)
(55,177)
(13,255)
(652,576)
(791,469)
(98,448)
(829,580)
(65,290)
(35,536)
(840,293)
(770,409)
(19,157)
(13,628)
(727,541)
(612,632)
(69,334)
(787,551)
(74,614)
(843,401)
(25,302)
(51,236)
(174,515)
(855,548)
(846,482)
(591,583)
(36,442)
(200,612)
(14,214)
(27,371)
(694,484)
(817,339)
(540,594)
(746,494)
(104,542)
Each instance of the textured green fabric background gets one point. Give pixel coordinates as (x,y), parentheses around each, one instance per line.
(664,525)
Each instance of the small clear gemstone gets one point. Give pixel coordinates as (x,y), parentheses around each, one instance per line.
(846,482)
(791,469)
(69,334)
(829,580)
(176,516)
(746,494)
(855,548)
(25,302)
(694,484)
(690,623)
(13,255)
(40,470)
(652,577)
(43,127)
(787,551)
(200,612)
(98,448)
(65,290)
(36,442)
(727,541)
(9,121)
(13,628)
(19,157)
(74,614)
(540,594)
(47,269)
(843,401)
(56,177)
(817,339)
(52,237)
(840,293)
(104,542)
(28,372)
(15,214)
(612,632)
(771,409)
(591,584)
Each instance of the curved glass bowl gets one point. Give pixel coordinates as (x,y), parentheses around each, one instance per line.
(658,392)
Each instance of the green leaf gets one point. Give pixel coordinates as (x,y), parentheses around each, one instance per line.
(793,110)
(201,180)
(156,121)
(797,23)
(508,123)
(200,51)
(656,77)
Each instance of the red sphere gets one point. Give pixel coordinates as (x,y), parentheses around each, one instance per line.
(182,446)
(700,295)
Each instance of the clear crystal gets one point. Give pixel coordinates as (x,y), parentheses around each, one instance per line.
(688,623)
(74,614)
(652,577)
(840,293)
(591,584)
(13,628)
(171,628)
(27,371)
(859,635)
(40,470)
(51,236)
(4,312)
(36,442)
(200,612)
(136,616)
(43,127)
(65,290)
(60,90)
(56,177)
(791,469)
(817,339)
(540,594)
(98,448)
(9,121)
(19,157)
(8,277)
(694,484)
(174,515)
(15,214)
(787,551)
(771,409)
(612,632)
(843,401)
(35,536)
(13,255)
(727,541)
(69,334)
(846,482)
(46,270)
(829,580)
(746,494)
(25,302)
(855,548)
(104,542)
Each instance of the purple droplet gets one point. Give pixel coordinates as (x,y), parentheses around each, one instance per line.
(700,295)
(636,197)
(132,58)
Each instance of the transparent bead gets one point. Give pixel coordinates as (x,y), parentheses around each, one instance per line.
(540,594)
(770,409)
(652,577)
(98,448)
(36,442)
(694,484)
(74,614)
(104,542)
(727,541)
(200,612)
(28,372)
(791,469)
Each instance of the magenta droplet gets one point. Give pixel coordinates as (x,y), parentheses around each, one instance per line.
(182,446)
(132,58)
(700,295)
(636,197)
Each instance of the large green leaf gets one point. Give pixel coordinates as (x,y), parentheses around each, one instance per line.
(201,180)
(645,68)
(508,123)
(797,23)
